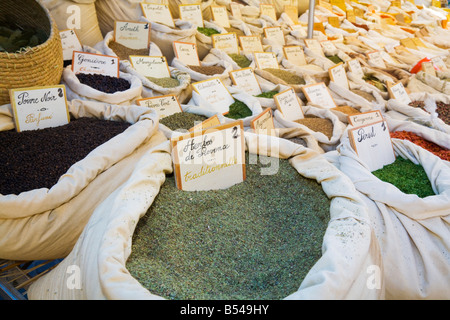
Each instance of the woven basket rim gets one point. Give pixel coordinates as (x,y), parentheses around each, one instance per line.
(50,37)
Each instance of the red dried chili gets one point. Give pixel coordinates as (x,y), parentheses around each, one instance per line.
(439,151)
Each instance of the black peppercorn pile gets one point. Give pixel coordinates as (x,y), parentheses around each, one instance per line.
(104,83)
(37,159)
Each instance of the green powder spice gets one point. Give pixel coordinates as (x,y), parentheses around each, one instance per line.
(182,120)
(375,82)
(241,60)
(407,176)
(268,94)
(335,59)
(238,110)
(255,240)
(165,82)
(288,77)
(207,31)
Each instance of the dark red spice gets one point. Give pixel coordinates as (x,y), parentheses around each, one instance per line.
(442,153)
(37,159)
(104,83)
(442,109)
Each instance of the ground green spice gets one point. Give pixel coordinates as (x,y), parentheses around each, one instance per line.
(255,240)
(288,77)
(167,82)
(407,176)
(238,110)
(182,120)
(375,82)
(241,60)
(335,59)
(207,31)
(268,94)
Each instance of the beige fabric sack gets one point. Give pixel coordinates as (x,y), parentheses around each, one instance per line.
(345,270)
(45,223)
(413,232)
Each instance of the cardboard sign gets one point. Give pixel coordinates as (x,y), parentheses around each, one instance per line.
(70,43)
(263,123)
(134,35)
(191,13)
(266,60)
(208,123)
(408,43)
(325,5)
(158,13)
(339,3)
(235,11)
(39,107)
(339,76)
(250,44)
(376,59)
(226,42)
(295,55)
(319,94)
(355,67)
(275,34)
(186,53)
(351,15)
(314,45)
(163,105)
(334,22)
(292,13)
(151,66)
(327,45)
(398,92)
(289,105)
(268,10)
(365,118)
(318,26)
(214,92)
(428,67)
(92,63)
(220,16)
(246,80)
(373,144)
(211,159)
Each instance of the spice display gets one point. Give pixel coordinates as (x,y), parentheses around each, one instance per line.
(38,158)
(407,176)
(253,240)
(287,76)
(375,82)
(182,120)
(268,94)
(241,60)
(437,150)
(335,59)
(124,52)
(14,39)
(364,94)
(207,70)
(238,32)
(167,82)
(104,83)
(346,109)
(442,109)
(299,141)
(207,31)
(318,124)
(238,110)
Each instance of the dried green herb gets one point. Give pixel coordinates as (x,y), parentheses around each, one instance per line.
(375,82)
(288,77)
(268,94)
(167,82)
(182,120)
(238,110)
(335,59)
(14,38)
(241,60)
(407,176)
(251,241)
(207,31)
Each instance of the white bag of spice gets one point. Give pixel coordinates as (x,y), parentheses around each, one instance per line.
(349,248)
(220,55)
(413,232)
(270,87)
(61,212)
(77,90)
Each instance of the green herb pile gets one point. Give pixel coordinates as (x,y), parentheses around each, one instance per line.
(238,110)
(335,59)
(407,176)
(207,31)
(375,82)
(241,60)
(268,94)
(182,120)
(255,240)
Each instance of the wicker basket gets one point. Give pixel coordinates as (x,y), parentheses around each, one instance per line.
(34,66)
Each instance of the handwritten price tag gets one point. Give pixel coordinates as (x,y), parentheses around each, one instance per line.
(151,66)
(134,35)
(319,94)
(92,63)
(192,13)
(289,105)
(70,43)
(214,92)
(159,13)
(186,53)
(226,42)
(164,105)
(245,79)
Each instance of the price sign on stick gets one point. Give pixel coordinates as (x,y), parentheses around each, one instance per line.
(211,159)
(373,144)
(275,34)
(159,13)
(289,105)
(186,53)
(338,75)
(268,10)
(355,67)
(266,60)
(151,66)
(134,35)
(397,91)
(365,118)
(251,44)
(319,94)
(163,105)
(245,79)
(39,107)
(314,45)
(376,59)
(220,16)
(92,63)
(70,43)
(215,93)
(192,13)
(295,55)
(226,42)
(263,123)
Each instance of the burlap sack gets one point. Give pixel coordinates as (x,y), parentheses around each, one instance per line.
(345,270)
(45,223)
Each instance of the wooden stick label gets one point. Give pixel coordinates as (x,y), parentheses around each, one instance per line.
(397,91)
(339,76)
(250,44)
(275,34)
(263,123)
